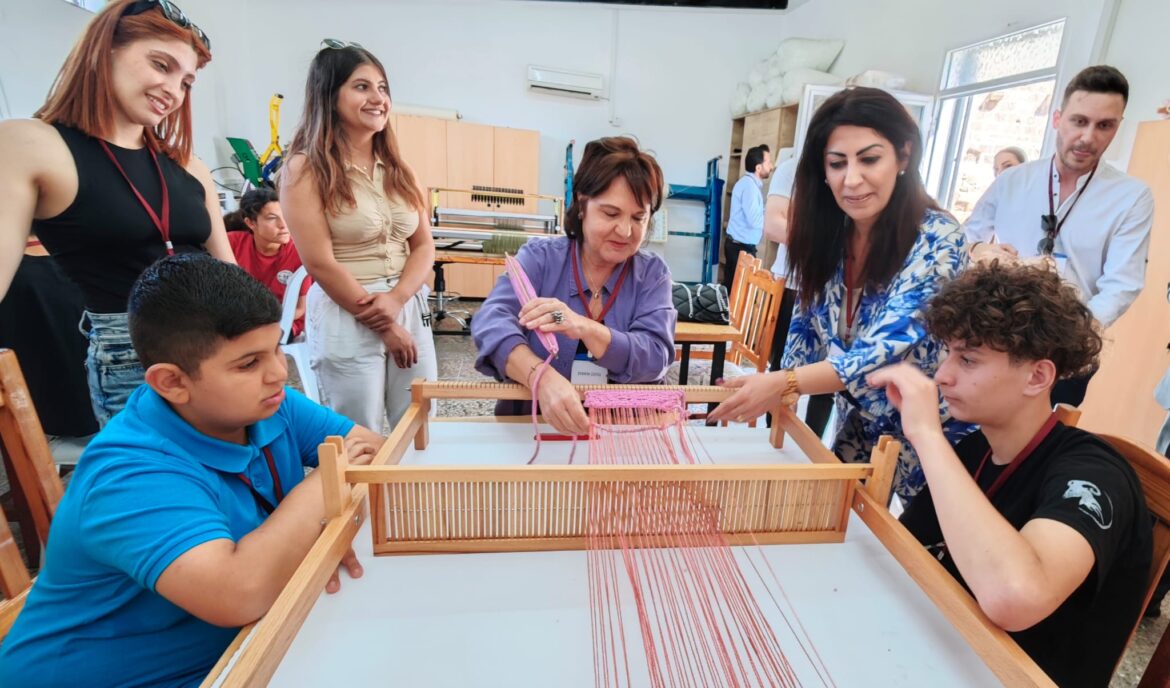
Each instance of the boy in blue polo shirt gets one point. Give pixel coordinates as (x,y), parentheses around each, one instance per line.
(189,512)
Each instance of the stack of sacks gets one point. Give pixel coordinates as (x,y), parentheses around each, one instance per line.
(780,78)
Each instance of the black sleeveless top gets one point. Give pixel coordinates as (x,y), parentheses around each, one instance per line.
(105,239)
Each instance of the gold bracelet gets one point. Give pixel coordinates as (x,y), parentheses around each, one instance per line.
(791,385)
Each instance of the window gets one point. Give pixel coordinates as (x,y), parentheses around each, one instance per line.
(91,5)
(993,94)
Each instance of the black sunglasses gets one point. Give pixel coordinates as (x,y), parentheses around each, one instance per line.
(1048,243)
(339,45)
(172,12)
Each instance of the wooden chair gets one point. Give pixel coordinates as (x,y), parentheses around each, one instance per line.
(29,463)
(15,580)
(1153,470)
(762,296)
(736,302)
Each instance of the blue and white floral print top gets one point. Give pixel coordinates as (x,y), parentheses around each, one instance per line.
(890,324)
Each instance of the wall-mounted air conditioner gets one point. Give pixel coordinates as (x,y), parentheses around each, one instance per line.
(566,83)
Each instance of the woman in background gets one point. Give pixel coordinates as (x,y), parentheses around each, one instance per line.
(361,226)
(104,175)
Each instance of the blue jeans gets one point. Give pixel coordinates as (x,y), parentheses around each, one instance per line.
(111,364)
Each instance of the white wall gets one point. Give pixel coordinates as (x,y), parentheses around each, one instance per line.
(675,68)
(1138,48)
(35,38)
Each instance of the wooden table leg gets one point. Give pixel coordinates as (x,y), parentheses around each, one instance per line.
(684,362)
(717,358)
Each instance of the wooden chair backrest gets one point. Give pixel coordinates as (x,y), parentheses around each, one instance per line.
(15,580)
(1153,470)
(762,297)
(26,448)
(736,300)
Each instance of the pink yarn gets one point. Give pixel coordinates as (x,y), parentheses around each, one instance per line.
(525,293)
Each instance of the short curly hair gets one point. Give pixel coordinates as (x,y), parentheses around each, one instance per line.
(1026,311)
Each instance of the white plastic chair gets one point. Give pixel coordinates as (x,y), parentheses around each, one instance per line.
(297,351)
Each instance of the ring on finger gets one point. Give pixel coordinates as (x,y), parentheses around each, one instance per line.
(558,317)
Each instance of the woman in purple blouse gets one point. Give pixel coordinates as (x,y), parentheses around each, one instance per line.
(607,301)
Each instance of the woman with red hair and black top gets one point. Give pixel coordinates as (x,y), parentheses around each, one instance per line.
(104,175)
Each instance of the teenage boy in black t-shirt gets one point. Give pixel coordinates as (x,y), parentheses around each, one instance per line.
(1046,525)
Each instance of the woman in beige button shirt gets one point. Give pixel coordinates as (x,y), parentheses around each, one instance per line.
(360,223)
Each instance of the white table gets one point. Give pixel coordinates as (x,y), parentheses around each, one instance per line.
(522,619)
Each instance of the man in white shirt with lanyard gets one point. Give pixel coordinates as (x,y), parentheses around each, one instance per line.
(1090,219)
(745,223)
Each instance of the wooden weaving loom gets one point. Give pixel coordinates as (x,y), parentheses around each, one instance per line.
(461,509)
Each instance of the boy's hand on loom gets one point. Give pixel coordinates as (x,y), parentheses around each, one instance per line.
(754,395)
(400,345)
(350,563)
(561,405)
(914,394)
(359,451)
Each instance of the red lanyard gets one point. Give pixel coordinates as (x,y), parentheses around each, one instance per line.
(851,311)
(1018,461)
(1052,202)
(612,297)
(277,488)
(163,224)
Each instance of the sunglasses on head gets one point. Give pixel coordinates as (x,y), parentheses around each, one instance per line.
(172,12)
(339,45)
(1048,243)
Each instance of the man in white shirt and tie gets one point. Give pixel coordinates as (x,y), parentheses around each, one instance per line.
(745,222)
(1090,219)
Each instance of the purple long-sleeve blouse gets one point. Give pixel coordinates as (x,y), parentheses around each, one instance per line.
(641,320)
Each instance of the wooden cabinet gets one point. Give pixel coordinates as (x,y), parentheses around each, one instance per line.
(422,141)
(1120,399)
(470,162)
(462,155)
(512,170)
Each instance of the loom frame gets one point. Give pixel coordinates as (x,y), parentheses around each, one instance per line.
(258,649)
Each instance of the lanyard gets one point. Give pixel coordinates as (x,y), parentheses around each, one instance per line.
(1051,197)
(261,502)
(612,297)
(1018,461)
(163,224)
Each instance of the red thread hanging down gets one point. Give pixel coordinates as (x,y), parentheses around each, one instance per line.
(659,545)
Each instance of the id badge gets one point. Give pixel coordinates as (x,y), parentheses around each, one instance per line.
(1061,260)
(586,372)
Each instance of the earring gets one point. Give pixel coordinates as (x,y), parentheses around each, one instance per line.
(901,172)
(826,180)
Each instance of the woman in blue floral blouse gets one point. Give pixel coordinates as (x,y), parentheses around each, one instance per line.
(869,248)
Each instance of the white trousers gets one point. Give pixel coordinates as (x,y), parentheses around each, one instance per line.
(358,379)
